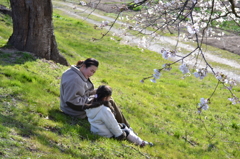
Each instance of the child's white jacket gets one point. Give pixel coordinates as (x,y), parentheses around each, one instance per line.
(103,122)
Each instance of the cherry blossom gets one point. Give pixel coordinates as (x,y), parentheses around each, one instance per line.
(157,73)
(203,105)
(153,80)
(166,54)
(229,82)
(184,68)
(234,100)
(200,73)
(220,76)
(191,30)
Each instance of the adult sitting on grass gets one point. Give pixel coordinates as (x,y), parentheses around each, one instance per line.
(103,122)
(77,91)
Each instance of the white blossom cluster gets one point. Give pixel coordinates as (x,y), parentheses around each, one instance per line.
(200,73)
(193,29)
(166,53)
(227,81)
(203,105)
(234,100)
(156,75)
(184,68)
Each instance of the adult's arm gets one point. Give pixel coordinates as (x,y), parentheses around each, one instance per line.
(74,92)
(87,106)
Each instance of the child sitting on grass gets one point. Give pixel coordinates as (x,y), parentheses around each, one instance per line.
(103,121)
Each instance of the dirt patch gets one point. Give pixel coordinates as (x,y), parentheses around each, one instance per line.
(230,43)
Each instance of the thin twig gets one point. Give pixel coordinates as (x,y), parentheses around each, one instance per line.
(137,151)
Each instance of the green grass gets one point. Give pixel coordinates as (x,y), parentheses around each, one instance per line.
(164,112)
(5,29)
(228,25)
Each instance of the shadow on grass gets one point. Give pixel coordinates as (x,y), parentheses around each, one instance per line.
(28,130)
(12,56)
(83,124)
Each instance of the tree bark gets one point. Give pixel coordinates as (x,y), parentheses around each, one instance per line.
(33,29)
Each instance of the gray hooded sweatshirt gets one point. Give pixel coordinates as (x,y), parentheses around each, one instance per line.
(76,89)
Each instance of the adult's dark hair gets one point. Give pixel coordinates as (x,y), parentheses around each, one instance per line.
(102,92)
(88,62)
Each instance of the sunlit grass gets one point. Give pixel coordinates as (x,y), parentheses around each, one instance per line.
(164,113)
(5,29)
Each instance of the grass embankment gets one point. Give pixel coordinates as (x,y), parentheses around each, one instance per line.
(164,112)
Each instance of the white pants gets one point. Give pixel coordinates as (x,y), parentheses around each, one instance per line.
(132,137)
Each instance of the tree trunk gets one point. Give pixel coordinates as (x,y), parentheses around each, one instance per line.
(33,29)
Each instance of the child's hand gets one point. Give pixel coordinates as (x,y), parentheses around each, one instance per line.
(93,92)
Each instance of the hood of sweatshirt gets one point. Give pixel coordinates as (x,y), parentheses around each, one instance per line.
(93,112)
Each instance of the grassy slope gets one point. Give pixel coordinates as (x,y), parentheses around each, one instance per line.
(164,113)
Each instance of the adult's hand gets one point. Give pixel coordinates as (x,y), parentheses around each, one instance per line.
(95,104)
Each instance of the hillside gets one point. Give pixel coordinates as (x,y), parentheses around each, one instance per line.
(164,113)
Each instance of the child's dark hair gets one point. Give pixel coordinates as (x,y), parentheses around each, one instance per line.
(102,92)
(88,62)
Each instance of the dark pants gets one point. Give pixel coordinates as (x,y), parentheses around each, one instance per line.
(118,114)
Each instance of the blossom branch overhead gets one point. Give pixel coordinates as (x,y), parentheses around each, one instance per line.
(189,20)
(197,16)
